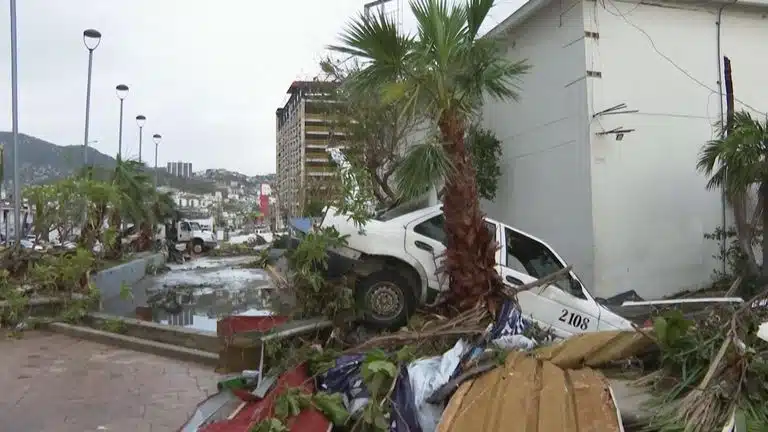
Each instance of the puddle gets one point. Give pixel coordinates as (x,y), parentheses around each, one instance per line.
(197,293)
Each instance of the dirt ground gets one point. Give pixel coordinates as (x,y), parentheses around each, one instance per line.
(51,382)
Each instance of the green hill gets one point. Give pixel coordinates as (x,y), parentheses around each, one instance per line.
(41,161)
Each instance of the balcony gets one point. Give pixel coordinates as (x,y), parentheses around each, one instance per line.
(320,129)
(316,160)
(321,174)
(321,118)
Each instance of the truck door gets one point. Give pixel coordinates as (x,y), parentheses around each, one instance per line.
(425,240)
(185,232)
(563,306)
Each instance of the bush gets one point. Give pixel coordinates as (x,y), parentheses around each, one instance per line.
(736,260)
(315,293)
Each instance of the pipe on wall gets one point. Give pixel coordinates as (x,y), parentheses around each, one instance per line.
(723,198)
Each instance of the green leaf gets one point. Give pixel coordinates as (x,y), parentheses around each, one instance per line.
(332,406)
(381,366)
(270,425)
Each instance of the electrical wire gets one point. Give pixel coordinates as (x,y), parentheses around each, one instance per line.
(669,60)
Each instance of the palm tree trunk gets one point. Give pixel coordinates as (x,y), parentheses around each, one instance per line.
(764,200)
(470,251)
(744,232)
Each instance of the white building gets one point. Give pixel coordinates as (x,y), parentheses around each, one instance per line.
(265,189)
(628,210)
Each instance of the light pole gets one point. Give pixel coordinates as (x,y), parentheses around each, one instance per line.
(122,92)
(91,40)
(156,138)
(15,121)
(140,120)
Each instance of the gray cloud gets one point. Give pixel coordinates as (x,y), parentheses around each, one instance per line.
(208,75)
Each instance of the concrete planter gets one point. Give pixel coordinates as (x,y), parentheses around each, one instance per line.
(110,283)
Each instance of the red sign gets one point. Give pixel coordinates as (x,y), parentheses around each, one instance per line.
(264,205)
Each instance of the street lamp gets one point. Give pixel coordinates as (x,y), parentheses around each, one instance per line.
(91,40)
(140,120)
(15,126)
(156,138)
(122,92)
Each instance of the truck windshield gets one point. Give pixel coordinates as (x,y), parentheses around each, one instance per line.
(195,226)
(400,210)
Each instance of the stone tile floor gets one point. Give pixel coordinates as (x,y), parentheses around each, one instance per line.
(51,382)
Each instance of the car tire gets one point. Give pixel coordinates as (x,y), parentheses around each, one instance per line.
(197,246)
(386,299)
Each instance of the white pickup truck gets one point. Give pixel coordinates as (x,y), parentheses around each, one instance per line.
(397,257)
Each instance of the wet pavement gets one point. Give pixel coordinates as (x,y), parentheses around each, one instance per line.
(199,292)
(51,382)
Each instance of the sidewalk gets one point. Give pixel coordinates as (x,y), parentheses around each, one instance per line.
(54,383)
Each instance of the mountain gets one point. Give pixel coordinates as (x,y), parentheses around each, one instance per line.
(41,161)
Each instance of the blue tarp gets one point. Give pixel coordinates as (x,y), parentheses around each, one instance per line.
(301,224)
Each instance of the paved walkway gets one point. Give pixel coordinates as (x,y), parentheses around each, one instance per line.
(50,382)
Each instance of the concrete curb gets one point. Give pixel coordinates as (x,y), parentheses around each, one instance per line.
(136,344)
(178,336)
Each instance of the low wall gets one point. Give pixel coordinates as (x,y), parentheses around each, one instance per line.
(109,282)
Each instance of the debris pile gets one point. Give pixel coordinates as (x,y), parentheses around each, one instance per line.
(712,371)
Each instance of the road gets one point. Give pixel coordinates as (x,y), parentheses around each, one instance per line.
(51,382)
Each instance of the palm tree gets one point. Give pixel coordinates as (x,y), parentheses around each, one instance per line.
(134,199)
(444,72)
(737,162)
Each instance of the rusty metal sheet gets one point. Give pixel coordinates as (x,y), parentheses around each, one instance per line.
(595,349)
(531,395)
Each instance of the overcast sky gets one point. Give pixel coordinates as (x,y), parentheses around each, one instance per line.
(207,75)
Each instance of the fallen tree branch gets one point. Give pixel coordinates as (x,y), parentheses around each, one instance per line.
(409,336)
(560,274)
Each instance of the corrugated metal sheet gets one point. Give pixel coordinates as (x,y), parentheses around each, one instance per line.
(531,395)
(595,349)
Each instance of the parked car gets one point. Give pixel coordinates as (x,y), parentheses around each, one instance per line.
(397,257)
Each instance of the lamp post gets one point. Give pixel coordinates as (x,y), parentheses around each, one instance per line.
(140,120)
(156,138)
(91,40)
(15,126)
(122,92)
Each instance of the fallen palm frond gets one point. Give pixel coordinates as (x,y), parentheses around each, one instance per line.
(471,322)
(710,369)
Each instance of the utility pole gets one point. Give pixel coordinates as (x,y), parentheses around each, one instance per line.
(15,125)
(729,111)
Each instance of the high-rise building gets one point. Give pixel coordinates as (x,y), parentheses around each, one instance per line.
(305,129)
(180,169)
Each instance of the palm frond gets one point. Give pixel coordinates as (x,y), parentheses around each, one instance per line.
(739,159)
(476,12)
(376,39)
(422,168)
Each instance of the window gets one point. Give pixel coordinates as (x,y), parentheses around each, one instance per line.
(492,229)
(433,228)
(530,257)
(185,226)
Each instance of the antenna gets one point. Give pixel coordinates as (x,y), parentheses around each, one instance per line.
(391,9)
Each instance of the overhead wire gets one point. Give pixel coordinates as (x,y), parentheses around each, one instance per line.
(688,74)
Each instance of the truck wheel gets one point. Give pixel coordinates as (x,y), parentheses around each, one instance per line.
(386,299)
(197,246)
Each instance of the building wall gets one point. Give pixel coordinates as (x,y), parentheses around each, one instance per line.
(304,135)
(545,184)
(289,168)
(651,208)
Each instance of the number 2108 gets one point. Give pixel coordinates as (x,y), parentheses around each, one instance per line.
(574,319)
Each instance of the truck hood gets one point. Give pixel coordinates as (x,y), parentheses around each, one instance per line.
(205,235)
